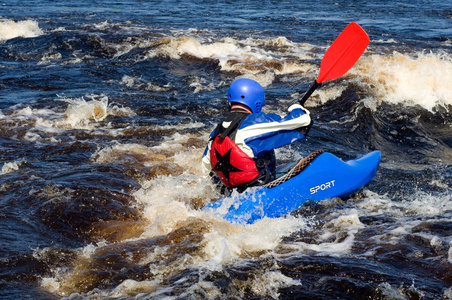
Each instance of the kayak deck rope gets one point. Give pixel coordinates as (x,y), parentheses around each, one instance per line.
(295,170)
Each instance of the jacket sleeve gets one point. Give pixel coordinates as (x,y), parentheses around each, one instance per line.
(263,132)
(206,167)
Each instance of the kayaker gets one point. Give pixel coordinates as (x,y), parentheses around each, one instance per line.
(240,151)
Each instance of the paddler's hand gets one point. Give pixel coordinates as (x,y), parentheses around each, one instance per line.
(298,105)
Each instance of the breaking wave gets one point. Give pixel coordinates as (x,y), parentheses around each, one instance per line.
(10,29)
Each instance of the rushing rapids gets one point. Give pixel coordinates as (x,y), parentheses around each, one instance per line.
(104,114)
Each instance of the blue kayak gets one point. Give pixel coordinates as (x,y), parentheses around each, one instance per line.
(318,177)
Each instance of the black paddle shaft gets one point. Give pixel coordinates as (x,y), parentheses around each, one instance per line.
(309,92)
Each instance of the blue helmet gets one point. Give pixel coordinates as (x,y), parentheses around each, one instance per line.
(248,92)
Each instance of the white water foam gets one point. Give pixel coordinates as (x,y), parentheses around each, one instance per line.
(10,29)
(250,56)
(164,202)
(399,78)
(13,166)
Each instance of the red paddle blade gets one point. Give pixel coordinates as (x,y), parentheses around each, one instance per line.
(343,53)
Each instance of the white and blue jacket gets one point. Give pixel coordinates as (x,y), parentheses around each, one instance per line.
(261,132)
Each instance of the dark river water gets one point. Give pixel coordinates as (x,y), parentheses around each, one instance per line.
(105,109)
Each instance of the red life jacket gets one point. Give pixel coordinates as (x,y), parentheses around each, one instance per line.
(233,166)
